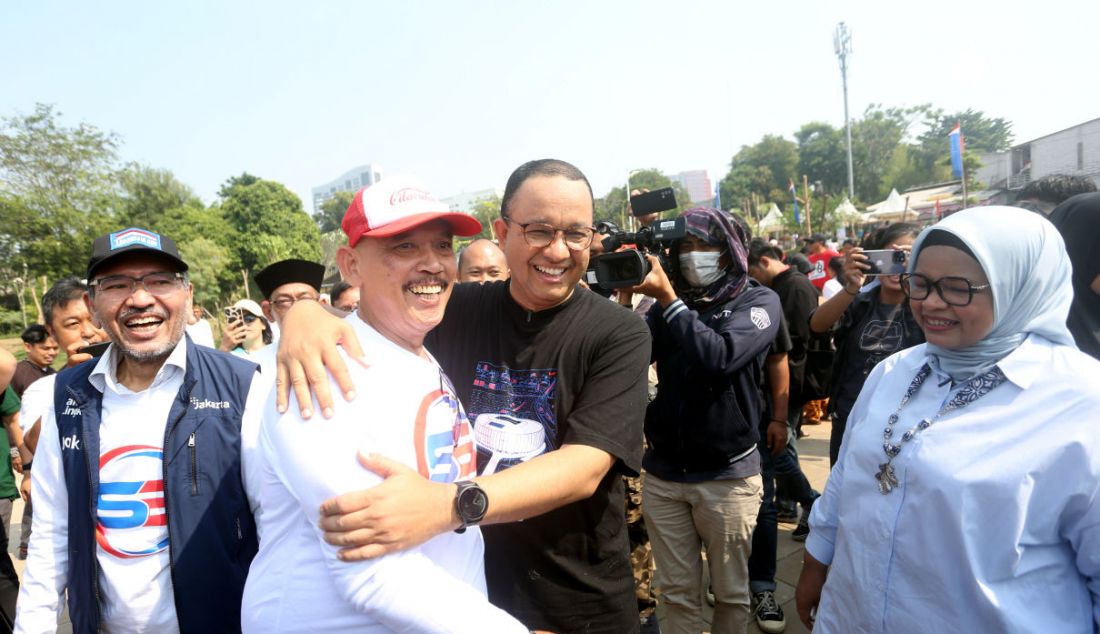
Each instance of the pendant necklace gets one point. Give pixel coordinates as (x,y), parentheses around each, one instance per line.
(972,390)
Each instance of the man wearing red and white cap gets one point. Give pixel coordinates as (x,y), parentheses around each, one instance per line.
(554,378)
(400,256)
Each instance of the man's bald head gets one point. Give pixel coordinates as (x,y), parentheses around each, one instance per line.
(482,261)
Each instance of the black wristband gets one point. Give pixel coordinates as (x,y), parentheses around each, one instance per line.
(850,292)
(27,466)
(777,420)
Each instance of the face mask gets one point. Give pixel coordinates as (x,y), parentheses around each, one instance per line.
(700,268)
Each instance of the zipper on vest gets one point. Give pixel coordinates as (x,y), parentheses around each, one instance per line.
(185,398)
(194,465)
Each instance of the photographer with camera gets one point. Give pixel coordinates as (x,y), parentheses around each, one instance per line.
(712,327)
(246,330)
(868,324)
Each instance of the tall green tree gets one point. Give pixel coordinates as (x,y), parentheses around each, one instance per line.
(332,212)
(270,223)
(759,174)
(613,205)
(486,211)
(57,187)
(822,155)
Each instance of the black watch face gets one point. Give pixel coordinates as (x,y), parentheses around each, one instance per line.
(472,504)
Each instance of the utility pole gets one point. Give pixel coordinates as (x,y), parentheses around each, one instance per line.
(842,44)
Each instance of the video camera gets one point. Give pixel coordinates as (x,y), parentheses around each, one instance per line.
(619,269)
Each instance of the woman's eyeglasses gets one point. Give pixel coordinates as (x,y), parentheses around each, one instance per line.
(954,291)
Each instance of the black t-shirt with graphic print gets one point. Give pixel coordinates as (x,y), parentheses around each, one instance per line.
(531,382)
(868,332)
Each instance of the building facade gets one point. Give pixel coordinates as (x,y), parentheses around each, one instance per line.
(1074,151)
(351,181)
(698,185)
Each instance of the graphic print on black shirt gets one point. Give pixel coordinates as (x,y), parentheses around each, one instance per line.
(514,415)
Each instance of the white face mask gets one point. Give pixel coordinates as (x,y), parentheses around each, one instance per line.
(700,268)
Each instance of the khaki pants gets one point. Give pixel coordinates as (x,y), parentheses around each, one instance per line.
(718,515)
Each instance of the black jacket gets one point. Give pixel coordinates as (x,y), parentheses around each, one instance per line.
(709,368)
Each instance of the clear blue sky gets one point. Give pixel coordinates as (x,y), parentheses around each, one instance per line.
(460,93)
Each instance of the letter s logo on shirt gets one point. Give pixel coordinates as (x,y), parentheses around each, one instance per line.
(130,514)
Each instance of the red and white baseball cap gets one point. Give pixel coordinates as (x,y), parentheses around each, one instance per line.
(397,204)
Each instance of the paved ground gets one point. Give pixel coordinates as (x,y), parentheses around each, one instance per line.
(814,455)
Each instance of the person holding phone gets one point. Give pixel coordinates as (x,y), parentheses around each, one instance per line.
(246,330)
(868,325)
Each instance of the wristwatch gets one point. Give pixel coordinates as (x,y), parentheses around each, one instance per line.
(471,504)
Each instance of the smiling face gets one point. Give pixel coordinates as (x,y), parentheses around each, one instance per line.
(145,327)
(404,281)
(544,277)
(952,327)
(482,261)
(42,353)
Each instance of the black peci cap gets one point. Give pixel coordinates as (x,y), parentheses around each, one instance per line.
(289,272)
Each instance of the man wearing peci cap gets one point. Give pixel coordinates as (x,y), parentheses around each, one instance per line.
(141,516)
(404,267)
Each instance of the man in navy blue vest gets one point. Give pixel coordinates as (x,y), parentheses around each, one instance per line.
(141,512)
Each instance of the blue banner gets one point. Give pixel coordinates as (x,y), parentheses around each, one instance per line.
(794,198)
(957,146)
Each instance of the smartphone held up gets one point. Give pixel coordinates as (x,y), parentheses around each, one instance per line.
(886,262)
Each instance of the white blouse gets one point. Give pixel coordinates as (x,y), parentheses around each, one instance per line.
(995,524)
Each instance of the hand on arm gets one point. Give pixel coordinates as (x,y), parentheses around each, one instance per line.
(406,509)
(307,346)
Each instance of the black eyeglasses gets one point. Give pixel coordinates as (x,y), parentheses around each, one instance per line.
(118,287)
(540,235)
(954,291)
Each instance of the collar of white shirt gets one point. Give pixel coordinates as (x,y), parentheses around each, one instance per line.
(1022,366)
(105,375)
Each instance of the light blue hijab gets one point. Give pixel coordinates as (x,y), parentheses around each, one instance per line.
(1029,273)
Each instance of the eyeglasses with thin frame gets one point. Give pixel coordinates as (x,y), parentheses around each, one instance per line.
(954,291)
(540,235)
(284,303)
(118,287)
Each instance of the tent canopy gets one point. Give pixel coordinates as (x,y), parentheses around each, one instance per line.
(772,221)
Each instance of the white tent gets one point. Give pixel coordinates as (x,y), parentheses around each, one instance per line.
(893,208)
(772,221)
(847,213)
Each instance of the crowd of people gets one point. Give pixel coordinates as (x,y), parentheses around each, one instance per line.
(476,442)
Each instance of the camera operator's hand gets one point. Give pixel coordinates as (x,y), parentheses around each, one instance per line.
(656,284)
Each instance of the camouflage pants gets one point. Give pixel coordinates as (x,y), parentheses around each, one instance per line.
(641,555)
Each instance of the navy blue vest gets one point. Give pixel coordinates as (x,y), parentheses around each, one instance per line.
(211,532)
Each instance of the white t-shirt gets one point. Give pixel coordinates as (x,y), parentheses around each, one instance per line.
(201,333)
(407,411)
(36,401)
(832,287)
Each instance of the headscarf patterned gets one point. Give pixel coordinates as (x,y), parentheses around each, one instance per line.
(1029,274)
(716,228)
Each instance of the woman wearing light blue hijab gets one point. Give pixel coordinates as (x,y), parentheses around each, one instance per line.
(966,497)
